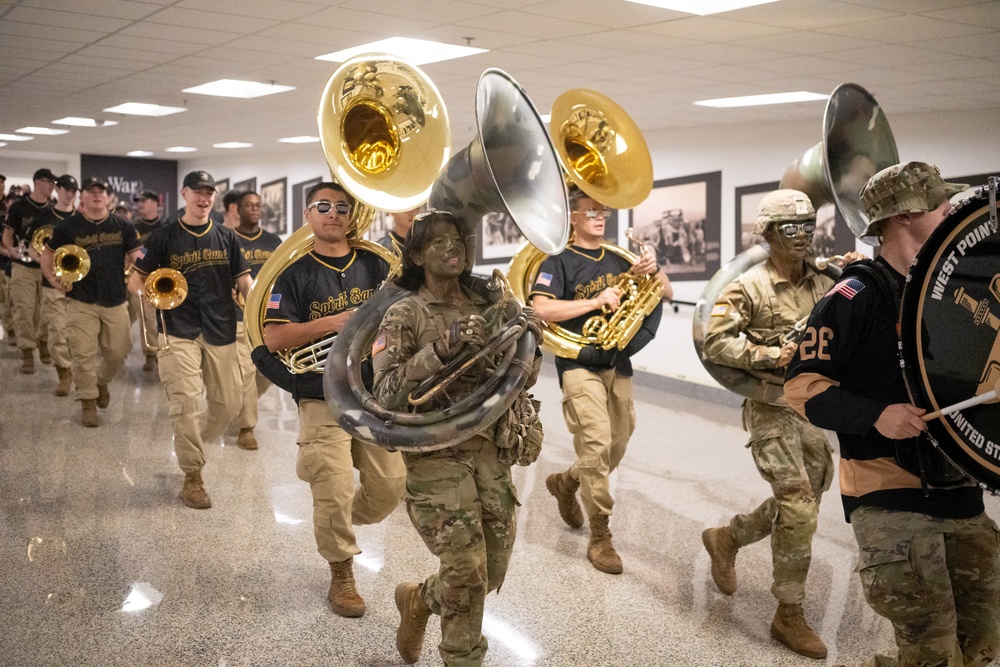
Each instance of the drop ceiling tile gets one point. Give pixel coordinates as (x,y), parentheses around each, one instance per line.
(656,62)
(107,64)
(481,38)
(347,21)
(146,44)
(610,15)
(46,32)
(267,46)
(813,65)
(439,11)
(724,53)
(889,55)
(811,14)
(904,29)
(57,48)
(275,10)
(222,23)
(122,9)
(11,55)
(119,53)
(807,42)
(64,19)
(712,29)
(542,27)
(637,40)
(983,14)
(978,46)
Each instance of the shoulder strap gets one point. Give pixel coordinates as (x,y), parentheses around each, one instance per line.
(879,276)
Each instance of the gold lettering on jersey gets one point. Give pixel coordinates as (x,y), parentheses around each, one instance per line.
(595,286)
(359,296)
(332,305)
(256,255)
(201,256)
(99,239)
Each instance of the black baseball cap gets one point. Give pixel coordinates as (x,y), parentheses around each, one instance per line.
(146,194)
(96,182)
(67,182)
(199,179)
(44,175)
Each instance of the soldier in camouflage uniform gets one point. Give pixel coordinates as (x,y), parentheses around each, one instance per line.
(461,499)
(747,330)
(929,556)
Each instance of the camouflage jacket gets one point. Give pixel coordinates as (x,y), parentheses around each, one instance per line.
(755,311)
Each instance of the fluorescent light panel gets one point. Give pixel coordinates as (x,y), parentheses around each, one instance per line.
(304,139)
(416,51)
(139,153)
(237,88)
(180,149)
(48,131)
(15,137)
(232,144)
(83,122)
(762,100)
(143,109)
(702,7)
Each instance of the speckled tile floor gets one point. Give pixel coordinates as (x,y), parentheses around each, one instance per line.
(101,565)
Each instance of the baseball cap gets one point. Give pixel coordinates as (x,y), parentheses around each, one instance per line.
(96,182)
(199,179)
(67,182)
(908,187)
(146,194)
(44,175)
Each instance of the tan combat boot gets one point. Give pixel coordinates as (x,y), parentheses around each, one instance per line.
(413,615)
(65,381)
(103,396)
(789,627)
(88,415)
(343,594)
(600,552)
(28,362)
(722,548)
(246,439)
(43,353)
(193,493)
(564,487)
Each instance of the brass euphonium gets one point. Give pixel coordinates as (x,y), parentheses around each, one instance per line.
(604,154)
(165,289)
(71,263)
(385,134)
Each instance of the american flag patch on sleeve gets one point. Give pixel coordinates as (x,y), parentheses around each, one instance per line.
(274,301)
(378,345)
(848,288)
(142,252)
(719,310)
(544,279)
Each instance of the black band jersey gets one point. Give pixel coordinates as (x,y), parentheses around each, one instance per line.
(317,285)
(209,257)
(107,243)
(575,274)
(256,249)
(24,217)
(147,227)
(845,372)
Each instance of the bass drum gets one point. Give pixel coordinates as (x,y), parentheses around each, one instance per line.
(950,337)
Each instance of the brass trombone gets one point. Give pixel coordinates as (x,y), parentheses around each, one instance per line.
(165,289)
(70,264)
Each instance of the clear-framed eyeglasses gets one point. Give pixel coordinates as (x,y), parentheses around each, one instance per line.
(592,213)
(790,229)
(323,207)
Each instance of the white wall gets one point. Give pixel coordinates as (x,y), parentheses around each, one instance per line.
(960,143)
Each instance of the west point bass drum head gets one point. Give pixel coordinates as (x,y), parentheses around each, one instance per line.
(950,337)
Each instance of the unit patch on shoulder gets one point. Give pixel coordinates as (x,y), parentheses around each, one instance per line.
(720,310)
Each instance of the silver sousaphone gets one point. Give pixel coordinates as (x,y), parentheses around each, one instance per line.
(510,167)
(857,143)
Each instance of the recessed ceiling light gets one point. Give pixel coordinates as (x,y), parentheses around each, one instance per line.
(232,144)
(84,122)
(304,139)
(143,109)
(761,100)
(237,88)
(702,7)
(15,137)
(41,130)
(180,149)
(139,153)
(416,51)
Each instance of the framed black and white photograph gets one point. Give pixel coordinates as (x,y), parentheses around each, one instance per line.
(682,220)
(249,185)
(299,191)
(273,209)
(747,202)
(499,238)
(221,188)
(381,224)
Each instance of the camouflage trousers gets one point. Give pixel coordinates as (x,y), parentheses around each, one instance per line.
(795,459)
(462,500)
(937,581)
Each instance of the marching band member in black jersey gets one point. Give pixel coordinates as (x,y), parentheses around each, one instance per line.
(929,554)
(26,276)
(147,204)
(597,386)
(96,314)
(198,349)
(311,299)
(53,308)
(256,245)
(395,237)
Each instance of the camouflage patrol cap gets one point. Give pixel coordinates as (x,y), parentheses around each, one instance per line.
(910,187)
(784,205)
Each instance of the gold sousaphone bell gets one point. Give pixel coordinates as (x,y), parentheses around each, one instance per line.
(604,154)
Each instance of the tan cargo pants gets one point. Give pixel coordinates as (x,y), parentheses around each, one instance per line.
(93,329)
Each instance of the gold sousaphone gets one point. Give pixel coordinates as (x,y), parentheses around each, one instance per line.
(603,153)
(385,133)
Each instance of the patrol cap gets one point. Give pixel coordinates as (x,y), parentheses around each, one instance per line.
(44,175)
(199,179)
(146,194)
(784,205)
(67,182)
(910,187)
(96,182)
